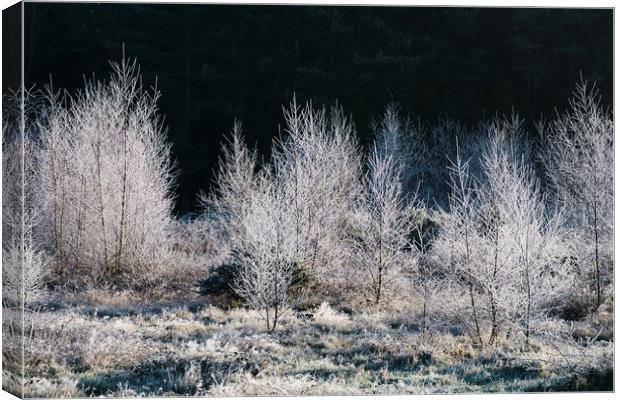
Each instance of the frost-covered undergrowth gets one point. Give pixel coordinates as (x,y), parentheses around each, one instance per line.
(114,349)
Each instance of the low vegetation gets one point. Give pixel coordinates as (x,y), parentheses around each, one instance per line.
(126,348)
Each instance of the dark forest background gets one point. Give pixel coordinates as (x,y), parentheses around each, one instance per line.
(214,63)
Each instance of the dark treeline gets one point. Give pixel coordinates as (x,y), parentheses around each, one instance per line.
(214,63)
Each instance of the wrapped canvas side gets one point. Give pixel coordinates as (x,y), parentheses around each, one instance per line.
(16,218)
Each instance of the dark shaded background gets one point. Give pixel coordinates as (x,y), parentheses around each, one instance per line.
(11,47)
(215,62)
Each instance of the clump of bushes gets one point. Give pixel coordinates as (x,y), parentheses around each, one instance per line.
(493,236)
(98,182)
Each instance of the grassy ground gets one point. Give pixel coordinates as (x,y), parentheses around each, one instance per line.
(116,346)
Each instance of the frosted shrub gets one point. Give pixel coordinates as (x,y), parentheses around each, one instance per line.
(501,240)
(579,161)
(225,208)
(19,149)
(326,317)
(381,248)
(317,166)
(265,254)
(24,265)
(23,271)
(522,237)
(284,223)
(105,181)
(397,138)
(457,240)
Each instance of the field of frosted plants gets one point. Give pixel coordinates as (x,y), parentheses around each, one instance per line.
(440,258)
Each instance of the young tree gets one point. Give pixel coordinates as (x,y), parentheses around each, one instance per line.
(380,249)
(579,163)
(524,271)
(105,178)
(317,166)
(395,137)
(516,227)
(503,144)
(535,236)
(497,258)
(235,182)
(424,277)
(284,222)
(24,265)
(505,242)
(459,224)
(265,252)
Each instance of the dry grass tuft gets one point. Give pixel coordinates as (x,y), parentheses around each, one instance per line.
(327,318)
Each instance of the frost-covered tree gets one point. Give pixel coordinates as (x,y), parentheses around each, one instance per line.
(235,182)
(24,265)
(396,137)
(495,268)
(265,252)
(522,266)
(249,209)
(381,246)
(424,277)
(317,166)
(534,234)
(579,161)
(105,178)
(458,234)
(505,244)
(284,222)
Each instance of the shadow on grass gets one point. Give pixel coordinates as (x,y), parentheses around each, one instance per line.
(325,373)
(373,358)
(591,381)
(182,377)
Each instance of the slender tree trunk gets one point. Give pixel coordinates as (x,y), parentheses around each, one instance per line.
(275,301)
(320,220)
(424,307)
(275,315)
(471,289)
(63,172)
(529,292)
(119,251)
(297,222)
(102,208)
(277,274)
(494,328)
(55,239)
(599,295)
(380,266)
(80,222)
